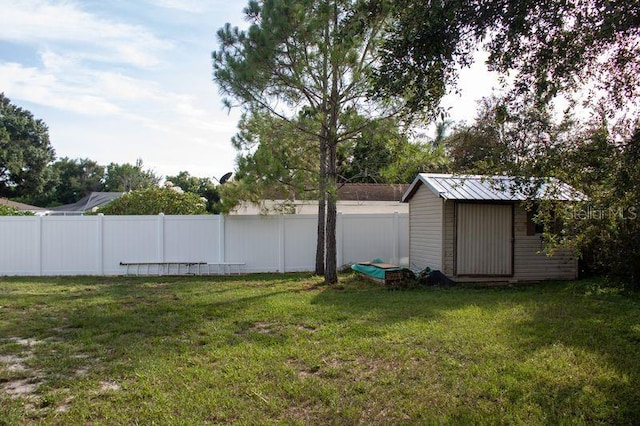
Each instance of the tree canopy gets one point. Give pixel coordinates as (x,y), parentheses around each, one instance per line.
(155,200)
(25,151)
(274,161)
(28,172)
(546,46)
(203,187)
(75,178)
(605,228)
(523,140)
(585,51)
(307,62)
(128,177)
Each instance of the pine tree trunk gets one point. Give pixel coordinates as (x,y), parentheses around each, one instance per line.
(322,206)
(331,174)
(331,273)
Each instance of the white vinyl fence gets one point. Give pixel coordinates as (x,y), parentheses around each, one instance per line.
(95,245)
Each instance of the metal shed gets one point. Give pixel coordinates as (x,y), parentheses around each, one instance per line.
(476,228)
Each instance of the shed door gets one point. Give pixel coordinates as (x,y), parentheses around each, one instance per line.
(484,239)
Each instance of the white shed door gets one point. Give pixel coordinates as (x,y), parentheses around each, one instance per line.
(484,239)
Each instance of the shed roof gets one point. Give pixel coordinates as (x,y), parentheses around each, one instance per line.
(492,188)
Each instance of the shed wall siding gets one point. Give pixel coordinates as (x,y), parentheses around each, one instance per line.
(449,237)
(529,265)
(425,230)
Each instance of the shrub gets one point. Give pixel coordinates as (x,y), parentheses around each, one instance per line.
(152,201)
(12,211)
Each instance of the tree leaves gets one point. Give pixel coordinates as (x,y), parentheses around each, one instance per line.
(12,211)
(302,62)
(25,151)
(547,46)
(153,201)
(126,177)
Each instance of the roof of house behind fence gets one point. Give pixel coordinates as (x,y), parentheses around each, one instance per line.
(19,206)
(89,202)
(352,192)
(492,188)
(371,192)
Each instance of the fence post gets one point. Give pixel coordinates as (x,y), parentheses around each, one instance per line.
(161,237)
(339,240)
(221,240)
(281,247)
(396,238)
(39,245)
(100,239)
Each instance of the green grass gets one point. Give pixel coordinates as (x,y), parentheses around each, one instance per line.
(266,349)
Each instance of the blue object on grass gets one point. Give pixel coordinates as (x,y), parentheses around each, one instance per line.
(372,270)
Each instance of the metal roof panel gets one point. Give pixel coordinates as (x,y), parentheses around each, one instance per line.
(493,188)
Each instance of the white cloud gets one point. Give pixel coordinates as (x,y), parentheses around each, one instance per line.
(39,22)
(122,87)
(45,88)
(192,6)
(63,83)
(113,91)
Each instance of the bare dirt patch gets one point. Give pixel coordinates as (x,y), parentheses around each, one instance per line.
(23,381)
(263,327)
(109,386)
(81,372)
(14,363)
(303,370)
(26,380)
(63,408)
(21,387)
(29,342)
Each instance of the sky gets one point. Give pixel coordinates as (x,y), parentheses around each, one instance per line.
(119,80)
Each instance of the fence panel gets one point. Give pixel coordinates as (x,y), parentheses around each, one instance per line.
(403,239)
(20,245)
(69,245)
(253,240)
(366,237)
(191,238)
(129,239)
(300,232)
(95,245)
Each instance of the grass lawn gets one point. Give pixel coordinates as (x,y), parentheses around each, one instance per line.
(283,349)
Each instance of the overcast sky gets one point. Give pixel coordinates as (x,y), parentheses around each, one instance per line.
(119,80)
